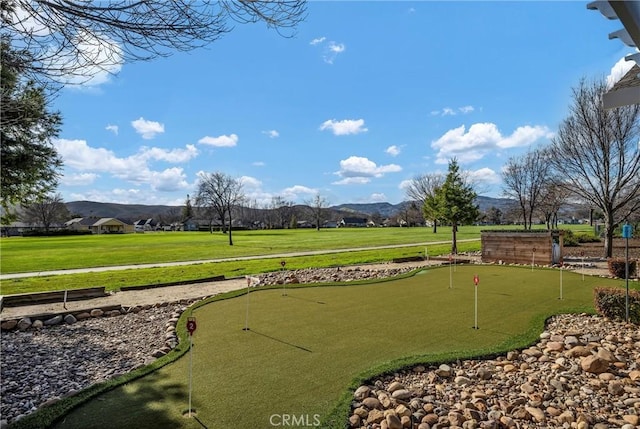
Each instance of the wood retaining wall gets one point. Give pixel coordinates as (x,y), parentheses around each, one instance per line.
(522,247)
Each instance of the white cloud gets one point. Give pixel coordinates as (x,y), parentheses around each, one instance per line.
(337,48)
(317,40)
(79,156)
(481,138)
(258,164)
(112,128)
(378,198)
(297,192)
(359,170)
(147,129)
(393,150)
(330,49)
(171,179)
(618,71)
(173,155)
(344,127)
(249,182)
(352,181)
(405,184)
(79,179)
(94,59)
(220,141)
(485,175)
(125,196)
(333,49)
(271,133)
(524,136)
(450,111)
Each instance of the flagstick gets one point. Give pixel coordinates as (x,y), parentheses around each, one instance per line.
(450,274)
(476,293)
(560,281)
(190,369)
(246,320)
(533,260)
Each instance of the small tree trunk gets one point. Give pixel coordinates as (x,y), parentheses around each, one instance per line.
(435,226)
(230,237)
(454,241)
(608,240)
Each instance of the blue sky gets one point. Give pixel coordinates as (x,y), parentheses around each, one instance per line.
(364,97)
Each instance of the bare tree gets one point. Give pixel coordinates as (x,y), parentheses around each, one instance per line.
(79,38)
(423,188)
(524,180)
(220,193)
(552,198)
(46,212)
(595,151)
(282,211)
(318,206)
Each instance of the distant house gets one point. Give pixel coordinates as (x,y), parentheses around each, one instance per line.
(81,223)
(110,225)
(15,229)
(193,224)
(105,225)
(149,224)
(353,222)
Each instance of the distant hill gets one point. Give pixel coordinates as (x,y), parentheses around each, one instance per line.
(134,212)
(387,209)
(121,211)
(384,209)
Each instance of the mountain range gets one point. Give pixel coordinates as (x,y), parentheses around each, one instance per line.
(140,211)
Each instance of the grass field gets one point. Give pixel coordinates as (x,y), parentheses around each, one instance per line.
(54,253)
(307,349)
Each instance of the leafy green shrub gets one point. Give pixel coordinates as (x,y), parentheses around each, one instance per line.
(610,302)
(583,237)
(569,239)
(617,267)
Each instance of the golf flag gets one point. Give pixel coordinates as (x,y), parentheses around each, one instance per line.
(476,279)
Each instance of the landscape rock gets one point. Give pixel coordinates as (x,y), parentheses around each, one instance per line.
(24,324)
(590,379)
(40,366)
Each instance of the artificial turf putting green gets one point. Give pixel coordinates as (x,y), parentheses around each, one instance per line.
(304,350)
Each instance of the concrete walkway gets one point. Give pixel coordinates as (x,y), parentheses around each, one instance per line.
(207,261)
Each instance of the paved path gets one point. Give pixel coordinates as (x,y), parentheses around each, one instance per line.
(139,297)
(206,261)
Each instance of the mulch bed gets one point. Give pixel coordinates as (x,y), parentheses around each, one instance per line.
(596,250)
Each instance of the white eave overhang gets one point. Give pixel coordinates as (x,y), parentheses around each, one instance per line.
(627,90)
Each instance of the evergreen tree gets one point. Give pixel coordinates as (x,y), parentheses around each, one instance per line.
(187,210)
(455,202)
(29,161)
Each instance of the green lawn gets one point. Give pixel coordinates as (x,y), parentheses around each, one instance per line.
(306,349)
(35,254)
(42,254)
